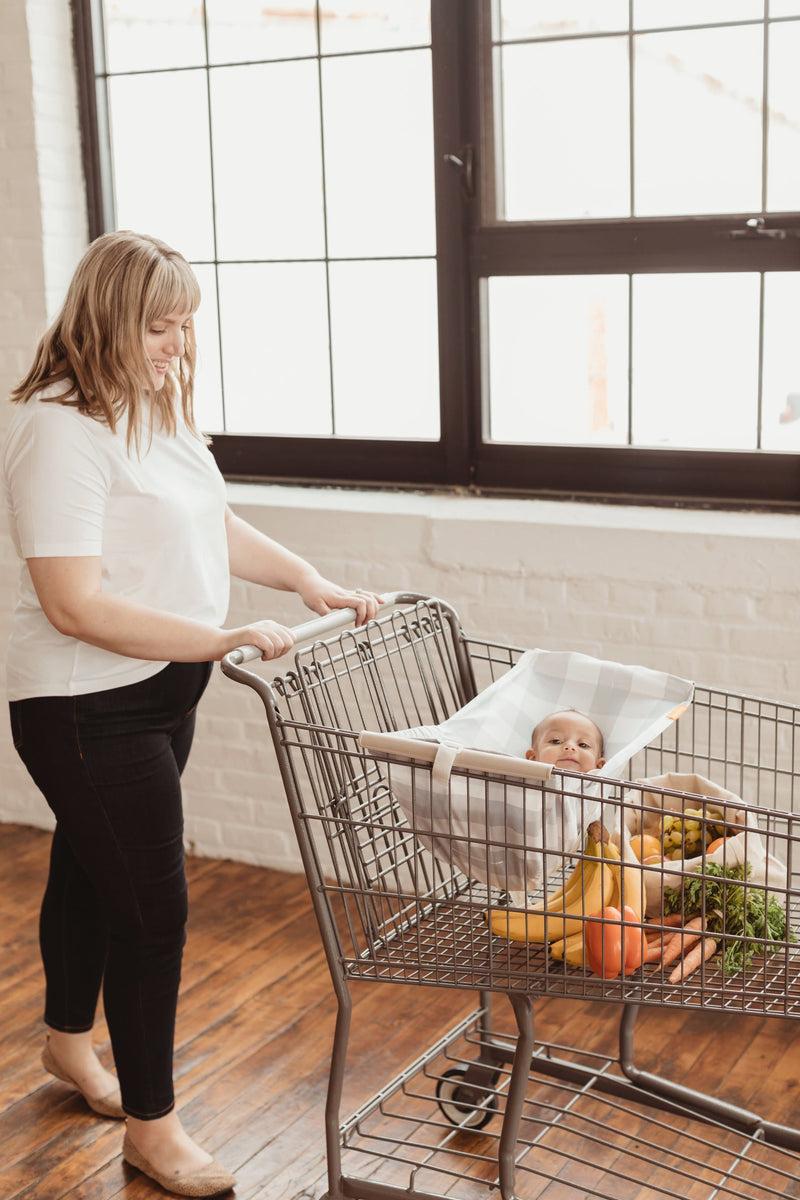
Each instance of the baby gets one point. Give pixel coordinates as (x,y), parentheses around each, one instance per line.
(568,740)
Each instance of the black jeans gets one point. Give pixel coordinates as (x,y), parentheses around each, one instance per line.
(114,912)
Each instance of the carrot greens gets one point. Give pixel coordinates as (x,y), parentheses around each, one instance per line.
(731,906)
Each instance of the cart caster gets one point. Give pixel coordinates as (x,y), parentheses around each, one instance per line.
(465,1106)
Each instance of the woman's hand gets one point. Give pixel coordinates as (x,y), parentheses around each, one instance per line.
(269,637)
(322,596)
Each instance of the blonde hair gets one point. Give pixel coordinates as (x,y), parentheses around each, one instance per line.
(124,282)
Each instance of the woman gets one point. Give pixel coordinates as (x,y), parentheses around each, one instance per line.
(118,512)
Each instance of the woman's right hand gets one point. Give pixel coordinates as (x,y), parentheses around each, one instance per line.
(269,637)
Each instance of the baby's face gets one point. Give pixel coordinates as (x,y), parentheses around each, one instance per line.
(569,741)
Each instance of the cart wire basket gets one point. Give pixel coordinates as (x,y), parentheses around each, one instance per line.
(490,1108)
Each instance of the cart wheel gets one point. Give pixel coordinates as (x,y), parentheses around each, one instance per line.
(464,1106)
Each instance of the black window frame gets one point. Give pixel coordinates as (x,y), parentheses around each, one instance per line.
(473,245)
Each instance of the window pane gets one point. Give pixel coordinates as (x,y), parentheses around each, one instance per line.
(654,14)
(697,121)
(378,121)
(695,361)
(208,384)
(554,18)
(566,158)
(783,161)
(142,35)
(780,395)
(385,349)
(275,348)
(374,24)
(558,359)
(249,30)
(268,176)
(163,187)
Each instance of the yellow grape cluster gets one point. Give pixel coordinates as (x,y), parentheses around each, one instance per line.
(685,835)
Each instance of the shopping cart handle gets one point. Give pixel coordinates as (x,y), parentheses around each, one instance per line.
(319,626)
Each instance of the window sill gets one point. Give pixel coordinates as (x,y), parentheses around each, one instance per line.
(528,511)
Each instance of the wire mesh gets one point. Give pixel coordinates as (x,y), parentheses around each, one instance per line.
(576,1138)
(405,915)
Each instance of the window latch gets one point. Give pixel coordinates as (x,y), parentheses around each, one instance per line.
(756,227)
(464,163)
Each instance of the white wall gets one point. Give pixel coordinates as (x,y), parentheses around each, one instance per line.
(709,595)
(42,235)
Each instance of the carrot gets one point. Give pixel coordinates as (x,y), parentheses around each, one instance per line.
(680,941)
(655,927)
(693,960)
(658,937)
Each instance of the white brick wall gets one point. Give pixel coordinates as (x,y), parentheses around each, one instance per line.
(58,147)
(42,235)
(22,317)
(709,595)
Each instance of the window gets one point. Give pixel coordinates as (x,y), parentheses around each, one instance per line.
(545,247)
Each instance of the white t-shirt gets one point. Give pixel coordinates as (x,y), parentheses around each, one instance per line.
(157,520)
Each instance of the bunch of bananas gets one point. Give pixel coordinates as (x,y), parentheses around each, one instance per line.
(600,880)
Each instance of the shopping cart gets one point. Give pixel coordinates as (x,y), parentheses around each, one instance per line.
(489,1106)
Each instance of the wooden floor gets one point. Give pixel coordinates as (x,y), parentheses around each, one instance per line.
(254,1034)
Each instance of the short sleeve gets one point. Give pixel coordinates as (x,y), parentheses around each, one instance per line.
(57,483)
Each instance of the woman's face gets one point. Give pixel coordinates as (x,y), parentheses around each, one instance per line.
(163,341)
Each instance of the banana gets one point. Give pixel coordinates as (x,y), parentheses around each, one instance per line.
(589,888)
(570,950)
(629,883)
(564,896)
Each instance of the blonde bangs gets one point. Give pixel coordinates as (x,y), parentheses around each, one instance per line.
(172,287)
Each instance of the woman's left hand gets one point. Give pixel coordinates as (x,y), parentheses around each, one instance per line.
(322,596)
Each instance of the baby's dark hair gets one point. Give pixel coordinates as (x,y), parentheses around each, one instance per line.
(557,712)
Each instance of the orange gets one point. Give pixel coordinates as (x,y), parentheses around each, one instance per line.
(644,845)
(715,845)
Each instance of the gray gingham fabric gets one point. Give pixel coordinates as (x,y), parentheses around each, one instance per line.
(500,832)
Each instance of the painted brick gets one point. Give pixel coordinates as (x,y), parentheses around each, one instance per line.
(236,755)
(760,641)
(259,843)
(204,832)
(679,602)
(681,631)
(590,594)
(220,808)
(778,610)
(739,606)
(767,678)
(542,594)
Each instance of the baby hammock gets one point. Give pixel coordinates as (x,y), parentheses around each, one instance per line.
(496,831)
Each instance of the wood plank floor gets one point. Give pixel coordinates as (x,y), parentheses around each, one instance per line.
(254,1035)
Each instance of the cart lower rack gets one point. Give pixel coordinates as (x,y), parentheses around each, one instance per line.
(490,1107)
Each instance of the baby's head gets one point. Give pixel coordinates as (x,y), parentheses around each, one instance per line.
(568,740)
